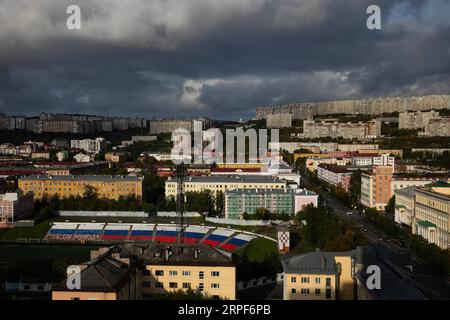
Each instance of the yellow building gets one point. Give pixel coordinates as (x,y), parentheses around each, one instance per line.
(319,276)
(111,187)
(224,183)
(183,267)
(313,163)
(309,155)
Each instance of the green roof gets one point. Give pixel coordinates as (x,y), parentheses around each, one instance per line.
(427,224)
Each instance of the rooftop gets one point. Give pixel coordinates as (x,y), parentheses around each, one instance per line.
(230,179)
(316,262)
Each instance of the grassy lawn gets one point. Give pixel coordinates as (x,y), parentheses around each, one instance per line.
(36,232)
(258,249)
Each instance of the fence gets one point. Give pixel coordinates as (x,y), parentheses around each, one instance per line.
(123,214)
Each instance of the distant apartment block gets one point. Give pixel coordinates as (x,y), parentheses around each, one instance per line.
(312,164)
(363,160)
(93,146)
(416,120)
(335,175)
(15,206)
(280,120)
(439,127)
(83,158)
(312,129)
(170,125)
(110,187)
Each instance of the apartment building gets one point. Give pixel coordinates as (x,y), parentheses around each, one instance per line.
(182,267)
(110,187)
(15,206)
(240,201)
(361,130)
(279,120)
(335,175)
(404,205)
(416,120)
(439,127)
(376,186)
(372,159)
(312,164)
(223,183)
(319,276)
(93,146)
(431,215)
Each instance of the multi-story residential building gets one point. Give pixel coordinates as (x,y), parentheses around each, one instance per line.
(335,175)
(303,198)
(393,152)
(94,146)
(184,267)
(240,201)
(170,125)
(223,183)
(312,129)
(111,187)
(312,164)
(319,276)
(378,186)
(280,120)
(15,206)
(439,127)
(370,159)
(431,215)
(116,157)
(416,120)
(404,205)
(356,147)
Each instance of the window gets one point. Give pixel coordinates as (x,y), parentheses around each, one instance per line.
(317,292)
(201,275)
(305,280)
(159,285)
(186,285)
(328,293)
(159,272)
(172,273)
(215,273)
(317,280)
(146,284)
(76,298)
(215,285)
(293,279)
(201,286)
(293,290)
(328,282)
(173,285)
(305,291)
(186,273)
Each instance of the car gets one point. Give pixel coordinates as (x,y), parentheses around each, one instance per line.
(349,213)
(365,230)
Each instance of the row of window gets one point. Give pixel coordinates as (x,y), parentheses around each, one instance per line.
(201,274)
(174,285)
(306,280)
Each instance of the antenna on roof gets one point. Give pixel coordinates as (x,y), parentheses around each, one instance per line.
(180,173)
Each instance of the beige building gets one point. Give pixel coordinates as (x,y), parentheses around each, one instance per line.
(404,205)
(431,215)
(182,267)
(319,276)
(439,127)
(279,120)
(15,206)
(416,120)
(111,187)
(223,183)
(312,164)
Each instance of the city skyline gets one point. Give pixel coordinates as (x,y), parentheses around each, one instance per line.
(219,59)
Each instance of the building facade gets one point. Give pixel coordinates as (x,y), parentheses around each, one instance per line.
(15,206)
(335,175)
(110,187)
(312,129)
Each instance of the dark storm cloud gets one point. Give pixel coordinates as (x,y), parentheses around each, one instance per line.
(219,58)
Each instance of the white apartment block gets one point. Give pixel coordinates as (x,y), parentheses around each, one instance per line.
(94,146)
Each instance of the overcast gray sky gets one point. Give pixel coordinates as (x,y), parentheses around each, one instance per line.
(217,58)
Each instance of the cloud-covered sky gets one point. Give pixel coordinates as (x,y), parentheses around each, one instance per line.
(217,58)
